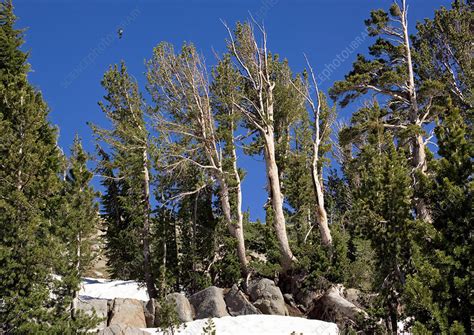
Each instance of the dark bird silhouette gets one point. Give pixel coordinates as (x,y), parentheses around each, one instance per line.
(120,32)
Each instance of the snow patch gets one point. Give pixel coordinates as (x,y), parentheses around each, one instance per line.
(110,289)
(256,325)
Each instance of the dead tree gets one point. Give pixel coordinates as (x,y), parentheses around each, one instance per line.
(257,106)
(321,129)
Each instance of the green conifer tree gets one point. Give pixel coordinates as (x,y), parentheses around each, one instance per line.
(439,294)
(381,208)
(79,216)
(31,293)
(128,140)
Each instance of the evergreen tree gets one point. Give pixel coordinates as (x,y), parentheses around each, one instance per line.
(122,243)
(257,106)
(444,52)
(322,118)
(439,294)
(381,209)
(390,71)
(79,217)
(30,194)
(225,89)
(128,140)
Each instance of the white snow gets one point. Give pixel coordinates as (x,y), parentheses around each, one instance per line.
(110,289)
(257,325)
(245,324)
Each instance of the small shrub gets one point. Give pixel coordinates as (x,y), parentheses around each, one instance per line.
(209,327)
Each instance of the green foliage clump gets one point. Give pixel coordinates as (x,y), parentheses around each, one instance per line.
(169,319)
(209,327)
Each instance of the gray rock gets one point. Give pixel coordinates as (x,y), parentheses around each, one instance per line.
(238,304)
(122,330)
(267,297)
(182,306)
(209,303)
(289,299)
(90,305)
(128,312)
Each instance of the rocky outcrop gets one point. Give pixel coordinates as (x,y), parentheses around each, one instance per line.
(127,312)
(91,306)
(267,297)
(332,306)
(122,330)
(209,303)
(238,304)
(127,316)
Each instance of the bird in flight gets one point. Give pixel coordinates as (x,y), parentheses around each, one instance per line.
(120,32)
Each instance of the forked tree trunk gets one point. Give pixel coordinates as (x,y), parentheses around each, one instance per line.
(316,171)
(257,71)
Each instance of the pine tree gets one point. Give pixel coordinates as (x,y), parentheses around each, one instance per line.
(30,188)
(390,71)
(439,294)
(224,91)
(381,209)
(121,239)
(258,106)
(444,52)
(79,220)
(185,115)
(128,140)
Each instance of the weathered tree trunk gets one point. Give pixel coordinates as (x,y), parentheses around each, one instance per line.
(257,72)
(287,257)
(149,278)
(418,145)
(241,251)
(321,213)
(235,229)
(316,170)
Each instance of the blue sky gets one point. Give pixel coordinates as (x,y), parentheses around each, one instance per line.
(72,43)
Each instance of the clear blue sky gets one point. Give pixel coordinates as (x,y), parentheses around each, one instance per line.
(72,43)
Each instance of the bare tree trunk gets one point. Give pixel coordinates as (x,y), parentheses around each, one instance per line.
(321,213)
(149,278)
(235,229)
(316,171)
(418,145)
(257,71)
(239,234)
(287,257)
